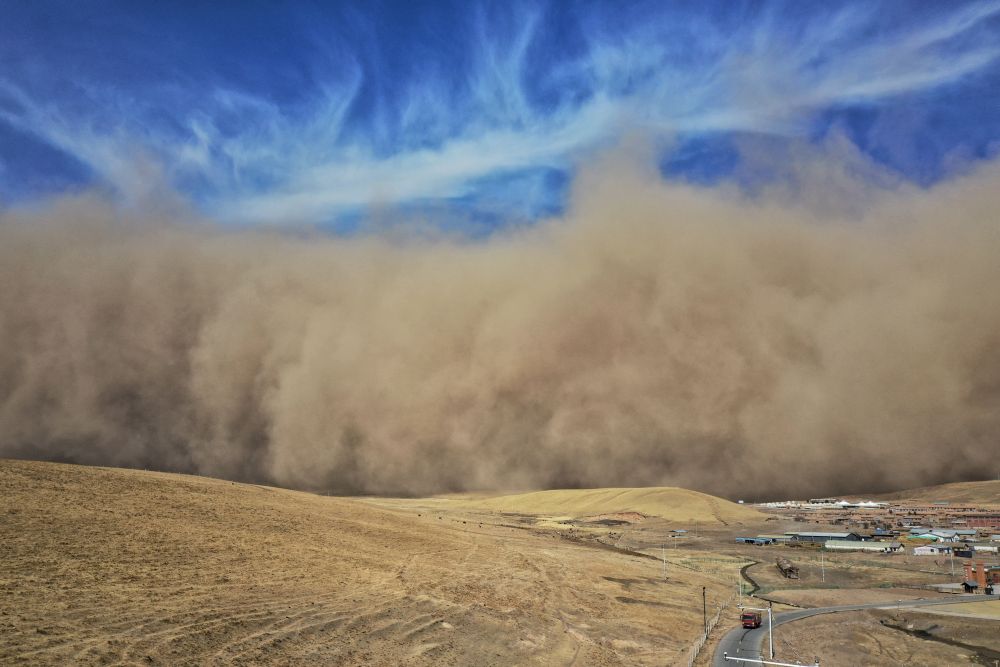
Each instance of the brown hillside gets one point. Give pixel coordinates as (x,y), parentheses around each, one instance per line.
(670,503)
(105,566)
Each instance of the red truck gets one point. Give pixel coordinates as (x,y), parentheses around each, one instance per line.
(751,619)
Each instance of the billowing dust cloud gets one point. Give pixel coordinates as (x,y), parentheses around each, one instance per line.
(657,334)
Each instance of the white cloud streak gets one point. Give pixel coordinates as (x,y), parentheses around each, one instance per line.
(309,164)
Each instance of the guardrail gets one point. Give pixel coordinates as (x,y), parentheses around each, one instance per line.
(761,661)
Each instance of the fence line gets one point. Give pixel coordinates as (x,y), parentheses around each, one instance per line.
(712,622)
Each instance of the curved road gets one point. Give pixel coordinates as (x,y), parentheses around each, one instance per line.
(742,643)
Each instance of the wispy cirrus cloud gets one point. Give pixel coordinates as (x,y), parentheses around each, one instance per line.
(500,93)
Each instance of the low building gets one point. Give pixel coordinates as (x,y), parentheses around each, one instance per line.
(854,545)
(821,538)
(931,550)
(986,548)
(758,541)
(937,536)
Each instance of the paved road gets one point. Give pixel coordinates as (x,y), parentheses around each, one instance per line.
(742,643)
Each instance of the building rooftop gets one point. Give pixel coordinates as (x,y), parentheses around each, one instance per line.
(853,544)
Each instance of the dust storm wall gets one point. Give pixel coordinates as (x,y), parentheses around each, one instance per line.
(657,333)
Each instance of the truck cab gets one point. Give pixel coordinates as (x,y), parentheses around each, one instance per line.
(750,619)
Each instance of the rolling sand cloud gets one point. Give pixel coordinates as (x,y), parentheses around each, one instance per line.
(656,334)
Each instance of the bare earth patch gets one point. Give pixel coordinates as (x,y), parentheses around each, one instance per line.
(835,597)
(865,638)
(985,609)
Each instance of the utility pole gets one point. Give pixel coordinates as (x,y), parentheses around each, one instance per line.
(822,568)
(770,624)
(663,556)
(704,611)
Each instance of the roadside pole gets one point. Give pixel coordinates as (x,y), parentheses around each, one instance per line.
(704,612)
(770,633)
(770,625)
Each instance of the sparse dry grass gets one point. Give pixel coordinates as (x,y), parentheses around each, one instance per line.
(860,639)
(845,570)
(985,609)
(844,596)
(105,566)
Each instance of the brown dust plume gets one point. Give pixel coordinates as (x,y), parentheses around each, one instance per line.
(780,344)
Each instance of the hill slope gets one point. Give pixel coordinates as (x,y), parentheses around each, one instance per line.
(970,493)
(671,503)
(106,566)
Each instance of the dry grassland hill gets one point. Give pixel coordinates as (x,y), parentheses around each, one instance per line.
(964,493)
(105,566)
(670,503)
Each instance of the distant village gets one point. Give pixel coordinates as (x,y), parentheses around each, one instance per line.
(935,529)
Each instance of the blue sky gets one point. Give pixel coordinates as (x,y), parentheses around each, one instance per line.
(314,113)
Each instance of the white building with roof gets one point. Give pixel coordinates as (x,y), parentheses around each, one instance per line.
(931,550)
(937,536)
(851,545)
